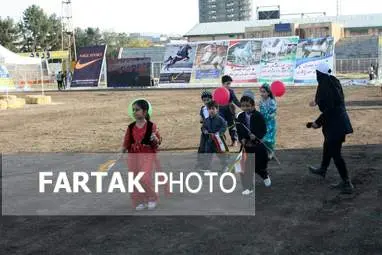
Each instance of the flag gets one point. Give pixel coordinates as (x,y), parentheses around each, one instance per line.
(237,164)
(220,143)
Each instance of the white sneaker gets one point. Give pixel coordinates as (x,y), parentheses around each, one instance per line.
(152,205)
(267,182)
(140,207)
(247,192)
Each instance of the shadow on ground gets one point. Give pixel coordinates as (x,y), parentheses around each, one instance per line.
(368,103)
(298,215)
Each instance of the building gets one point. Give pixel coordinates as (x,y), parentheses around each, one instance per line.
(224,10)
(336,26)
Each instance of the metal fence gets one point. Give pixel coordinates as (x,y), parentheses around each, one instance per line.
(356,65)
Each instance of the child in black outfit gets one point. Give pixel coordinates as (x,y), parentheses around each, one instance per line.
(228,111)
(214,128)
(206,97)
(252,128)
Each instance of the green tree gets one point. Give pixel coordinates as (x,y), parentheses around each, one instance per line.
(9,33)
(139,43)
(39,30)
(89,36)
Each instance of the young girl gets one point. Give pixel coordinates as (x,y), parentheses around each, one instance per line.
(268,107)
(141,141)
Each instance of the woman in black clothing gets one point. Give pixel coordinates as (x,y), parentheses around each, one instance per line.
(335,124)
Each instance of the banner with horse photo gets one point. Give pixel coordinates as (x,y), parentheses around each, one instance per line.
(129,72)
(278,59)
(87,71)
(210,62)
(243,60)
(310,52)
(177,63)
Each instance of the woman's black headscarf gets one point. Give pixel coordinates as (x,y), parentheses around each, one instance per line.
(329,91)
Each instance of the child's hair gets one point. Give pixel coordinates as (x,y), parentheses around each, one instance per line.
(267,88)
(206,94)
(247,99)
(226,78)
(212,104)
(144,105)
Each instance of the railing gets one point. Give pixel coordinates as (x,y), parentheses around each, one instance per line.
(356,65)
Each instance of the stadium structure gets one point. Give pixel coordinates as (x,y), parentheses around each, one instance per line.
(356,36)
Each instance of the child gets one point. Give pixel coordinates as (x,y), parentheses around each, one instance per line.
(214,128)
(141,141)
(228,112)
(251,129)
(206,97)
(268,108)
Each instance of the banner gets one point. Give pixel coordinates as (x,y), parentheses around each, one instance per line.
(6,83)
(243,60)
(60,54)
(129,72)
(379,64)
(278,59)
(177,63)
(87,70)
(210,62)
(310,52)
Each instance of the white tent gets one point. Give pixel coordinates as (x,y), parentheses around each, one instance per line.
(8,57)
(24,71)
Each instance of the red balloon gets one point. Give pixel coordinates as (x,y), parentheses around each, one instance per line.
(278,88)
(221,96)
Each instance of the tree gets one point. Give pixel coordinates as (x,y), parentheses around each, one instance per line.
(40,31)
(139,43)
(9,33)
(88,37)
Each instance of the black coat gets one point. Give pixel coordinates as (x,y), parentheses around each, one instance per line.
(257,126)
(330,99)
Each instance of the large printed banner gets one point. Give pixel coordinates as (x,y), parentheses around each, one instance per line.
(178,62)
(247,61)
(129,72)
(278,59)
(310,52)
(87,70)
(210,62)
(379,68)
(243,60)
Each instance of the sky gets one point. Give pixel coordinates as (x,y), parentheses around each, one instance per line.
(169,16)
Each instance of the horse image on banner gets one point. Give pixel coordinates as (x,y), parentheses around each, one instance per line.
(243,60)
(278,59)
(177,63)
(310,52)
(320,47)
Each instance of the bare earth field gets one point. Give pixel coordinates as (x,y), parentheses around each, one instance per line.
(96,121)
(298,215)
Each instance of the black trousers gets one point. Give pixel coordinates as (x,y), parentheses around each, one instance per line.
(256,162)
(229,117)
(332,149)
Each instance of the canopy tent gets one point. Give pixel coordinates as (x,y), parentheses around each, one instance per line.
(8,57)
(23,72)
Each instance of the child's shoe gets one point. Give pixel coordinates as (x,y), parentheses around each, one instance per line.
(267,182)
(152,205)
(140,207)
(247,192)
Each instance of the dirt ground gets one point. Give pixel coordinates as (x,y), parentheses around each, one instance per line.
(96,121)
(298,215)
